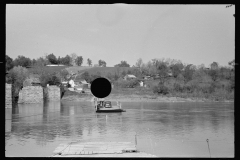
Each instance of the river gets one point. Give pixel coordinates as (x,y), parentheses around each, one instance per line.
(177,129)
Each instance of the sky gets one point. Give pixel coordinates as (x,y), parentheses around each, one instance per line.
(194,34)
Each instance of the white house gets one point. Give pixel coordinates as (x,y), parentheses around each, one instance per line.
(129,76)
(146,77)
(141,83)
(71,82)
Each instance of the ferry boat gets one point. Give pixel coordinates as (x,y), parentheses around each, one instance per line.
(106,106)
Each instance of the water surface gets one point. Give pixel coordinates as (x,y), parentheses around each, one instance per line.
(163,129)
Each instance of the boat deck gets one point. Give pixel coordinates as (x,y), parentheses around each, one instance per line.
(99,149)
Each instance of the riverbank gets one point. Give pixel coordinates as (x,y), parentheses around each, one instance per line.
(73,96)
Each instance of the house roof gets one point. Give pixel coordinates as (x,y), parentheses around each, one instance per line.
(84,82)
(54,65)
(80,80)
(131,76)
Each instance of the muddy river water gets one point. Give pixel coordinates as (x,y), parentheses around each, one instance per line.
(164,129)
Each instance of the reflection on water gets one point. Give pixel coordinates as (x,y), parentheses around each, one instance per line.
(163,129)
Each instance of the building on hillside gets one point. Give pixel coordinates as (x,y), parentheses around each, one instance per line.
(80,81)
(129,76)
(158,76)
(84,82)
(141,83)
(64,83)
(54,65)
(146,77)
(71,83)
(170,74)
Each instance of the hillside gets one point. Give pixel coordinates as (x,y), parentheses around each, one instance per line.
(49,69)
(94,70)
(78,70)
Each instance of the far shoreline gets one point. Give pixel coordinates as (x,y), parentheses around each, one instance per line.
(140,98)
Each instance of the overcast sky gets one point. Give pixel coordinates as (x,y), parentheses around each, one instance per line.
(194,34)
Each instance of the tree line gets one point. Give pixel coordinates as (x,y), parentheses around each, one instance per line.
(185,80)
(172,77)
(68,60)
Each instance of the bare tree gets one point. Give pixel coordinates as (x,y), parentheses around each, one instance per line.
(89,62)
(79,61)
(139,64)
(73,58)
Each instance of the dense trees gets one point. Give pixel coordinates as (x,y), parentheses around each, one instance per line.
(66,60)
(49,78)
(73,59)
(188,72)
(102,63)
(41,61)
(63,74)
(176,69)
(127,83)
(170,76)
(52,58)
(86,76)
(89,62)
(9,63)
(139,63)
(16,76)
(214,66)
(122,64)
(189,79)
(79,60)
(22,61)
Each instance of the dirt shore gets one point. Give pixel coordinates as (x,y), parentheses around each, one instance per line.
(137,98)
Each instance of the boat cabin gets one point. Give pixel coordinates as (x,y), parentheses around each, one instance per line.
(106,104)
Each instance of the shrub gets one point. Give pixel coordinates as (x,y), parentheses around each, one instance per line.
(127,83)
(178,87)
(51,79)
(204,87)
(132,83)
(85,76)
(189,86)
(64,73)
(160,89)
(93,77)
(54,80)
(17,76)
(27,82)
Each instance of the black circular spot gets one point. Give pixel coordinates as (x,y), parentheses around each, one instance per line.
(101,87)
